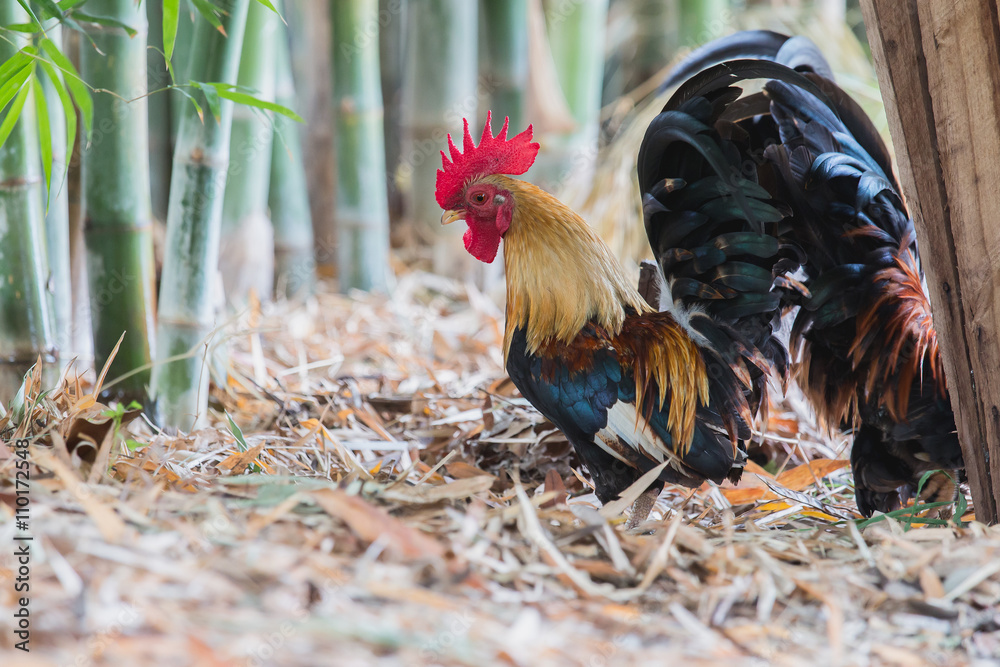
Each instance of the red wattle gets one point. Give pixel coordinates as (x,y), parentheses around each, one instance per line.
(483,242)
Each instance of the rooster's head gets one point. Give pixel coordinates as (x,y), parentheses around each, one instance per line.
(470,188)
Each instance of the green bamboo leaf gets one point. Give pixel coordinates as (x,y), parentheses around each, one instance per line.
(961,507)
(17,404)
(923,480)
(211,14)
(201,114)
(70,4)
(227,92)
(13,114)
(24,27)
(27,7)
(13,86)
(50,9)
(79,91)
(267,3)
(69,111)
(110,23)
(905,514)
(21,59)
(211,97)
(171,15)
(44,135)
(237,433)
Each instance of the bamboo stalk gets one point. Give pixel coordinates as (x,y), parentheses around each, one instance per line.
(26,318)
(246,256)
(392,26)
(576,34)
(309,25)
(362,204)
(157,78)
(180,62)
(288,198)
(186,314)
(657,38)
(57,215)
(503,62)
(117,207)
(703,20)
(439,90)
(82,326)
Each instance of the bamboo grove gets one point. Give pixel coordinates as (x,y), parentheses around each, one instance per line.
(156,178)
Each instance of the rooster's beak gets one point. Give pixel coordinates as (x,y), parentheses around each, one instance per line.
(449,217)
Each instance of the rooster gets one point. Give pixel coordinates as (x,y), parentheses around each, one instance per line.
(632,387)
(870,357)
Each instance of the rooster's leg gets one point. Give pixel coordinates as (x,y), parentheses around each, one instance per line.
(642,506)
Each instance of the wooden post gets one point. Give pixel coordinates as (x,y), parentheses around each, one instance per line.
(938,66)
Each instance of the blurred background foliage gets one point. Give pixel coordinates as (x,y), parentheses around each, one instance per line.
(156,182)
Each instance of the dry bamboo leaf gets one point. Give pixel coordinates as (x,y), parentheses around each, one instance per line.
(90,426)
(745,496)
(804,476)
(126,469)
(420,596)
(554,483)
(238,462)
(931,584)
(463,470)
(896,655)
(370,523)
(427,493)
(259,523)
(109,524)
(757,470)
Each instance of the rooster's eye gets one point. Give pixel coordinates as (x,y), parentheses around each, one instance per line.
(479,198)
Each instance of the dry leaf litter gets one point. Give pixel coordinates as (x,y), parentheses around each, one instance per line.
(382,496)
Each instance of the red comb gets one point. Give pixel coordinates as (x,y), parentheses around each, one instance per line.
(493,155)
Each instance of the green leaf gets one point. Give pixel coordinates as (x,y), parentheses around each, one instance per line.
(24,27)
(12,85)
(69,111)
(226,92)
(50,9)
(267,3)
(44,136)
(201,114)
(923,480)
(906,514)
(27,7)
(237,433)
(79,90)
(20,60)
(70,4)
(211,14)
(17,404)
(961,507)
(107,22)
(211,98)
(13,114)
(17,61)
(171,14)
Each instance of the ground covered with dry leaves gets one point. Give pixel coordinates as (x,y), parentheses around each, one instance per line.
(383,497)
